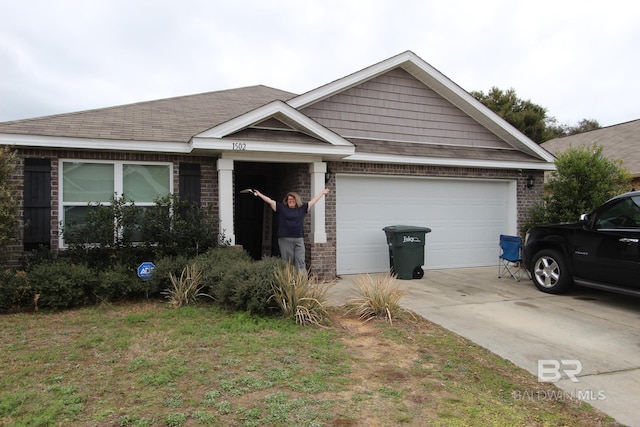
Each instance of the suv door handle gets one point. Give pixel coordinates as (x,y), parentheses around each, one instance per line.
(628,240)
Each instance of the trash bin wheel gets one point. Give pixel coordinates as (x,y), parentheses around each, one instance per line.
(418,272)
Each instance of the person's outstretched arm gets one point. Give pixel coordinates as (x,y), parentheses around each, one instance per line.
(266,199)
(317,198)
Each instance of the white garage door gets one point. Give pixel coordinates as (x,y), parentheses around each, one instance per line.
(466,218)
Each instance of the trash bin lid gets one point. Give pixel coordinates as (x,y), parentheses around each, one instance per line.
(406,229)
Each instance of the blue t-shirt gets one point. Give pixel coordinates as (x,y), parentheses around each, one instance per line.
(291,221)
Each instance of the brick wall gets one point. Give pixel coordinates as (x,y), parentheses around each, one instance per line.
(10,254)
(321,257)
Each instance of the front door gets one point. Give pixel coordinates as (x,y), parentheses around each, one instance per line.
(249,214)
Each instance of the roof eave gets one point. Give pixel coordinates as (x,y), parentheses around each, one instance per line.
(449,162)
(93,144)
(220,145)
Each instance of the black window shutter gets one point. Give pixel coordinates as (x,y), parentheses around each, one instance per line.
(189,183)
(37,203)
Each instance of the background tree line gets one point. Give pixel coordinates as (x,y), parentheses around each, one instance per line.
(528,117)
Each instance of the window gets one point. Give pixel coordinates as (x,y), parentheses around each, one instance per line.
(85,182)
(623,215)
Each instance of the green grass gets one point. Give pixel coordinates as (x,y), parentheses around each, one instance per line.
(149,365)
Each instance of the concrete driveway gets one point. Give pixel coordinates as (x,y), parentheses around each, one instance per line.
(598,330)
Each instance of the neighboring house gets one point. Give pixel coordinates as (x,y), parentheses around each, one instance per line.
(396,143)
(618,142)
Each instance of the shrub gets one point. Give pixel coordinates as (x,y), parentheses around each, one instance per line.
(377,297)
(121,232)
(216,263)
(175,226)
(584,179)
(300,296)
(247,286)
(60,285)
(165,267)
(15,291)
(120,282)
(105,226)
(104,258)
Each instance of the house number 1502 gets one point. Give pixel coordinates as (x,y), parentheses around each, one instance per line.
(239,146)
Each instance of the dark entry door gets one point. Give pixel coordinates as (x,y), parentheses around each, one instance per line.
(248,214)
(255,224)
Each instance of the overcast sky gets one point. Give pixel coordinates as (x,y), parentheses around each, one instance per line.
(577,58)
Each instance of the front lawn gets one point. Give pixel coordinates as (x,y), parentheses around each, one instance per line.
(147,364)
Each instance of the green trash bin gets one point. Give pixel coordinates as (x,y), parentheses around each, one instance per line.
(406,250)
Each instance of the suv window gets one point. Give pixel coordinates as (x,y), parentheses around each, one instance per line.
(624,214)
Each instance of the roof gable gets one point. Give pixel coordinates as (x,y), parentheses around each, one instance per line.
(293,120)
(439,84)
(396,106)
(284,114)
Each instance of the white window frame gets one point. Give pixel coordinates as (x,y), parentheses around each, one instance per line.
(118,182)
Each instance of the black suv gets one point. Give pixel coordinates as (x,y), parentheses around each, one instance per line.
(601,251)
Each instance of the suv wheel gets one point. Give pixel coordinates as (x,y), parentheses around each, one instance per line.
(550,272)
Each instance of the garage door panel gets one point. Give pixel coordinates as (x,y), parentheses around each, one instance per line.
(466,218)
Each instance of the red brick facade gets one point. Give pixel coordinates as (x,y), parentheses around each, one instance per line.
(321,257)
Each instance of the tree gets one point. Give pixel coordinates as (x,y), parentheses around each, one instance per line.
(524,115)
(556,130)
(8,200)
(583,180)
(529,118)
(584,125)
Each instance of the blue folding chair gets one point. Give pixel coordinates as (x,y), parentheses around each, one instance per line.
(510,259)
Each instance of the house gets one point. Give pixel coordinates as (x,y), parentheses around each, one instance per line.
(396,143)
(619,142)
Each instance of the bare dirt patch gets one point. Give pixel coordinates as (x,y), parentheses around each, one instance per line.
(431,381)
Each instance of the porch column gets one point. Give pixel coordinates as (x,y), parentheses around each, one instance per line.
(225,199)
(318,232)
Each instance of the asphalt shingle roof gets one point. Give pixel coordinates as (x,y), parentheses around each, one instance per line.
(165,120)
(178,119)
(618,142)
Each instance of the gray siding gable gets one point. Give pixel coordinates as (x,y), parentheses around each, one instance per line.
(396,106)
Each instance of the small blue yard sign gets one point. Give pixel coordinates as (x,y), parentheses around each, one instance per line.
(145,270)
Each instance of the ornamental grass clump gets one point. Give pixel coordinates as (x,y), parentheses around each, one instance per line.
(377,297)
(186,289)
(301,297)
